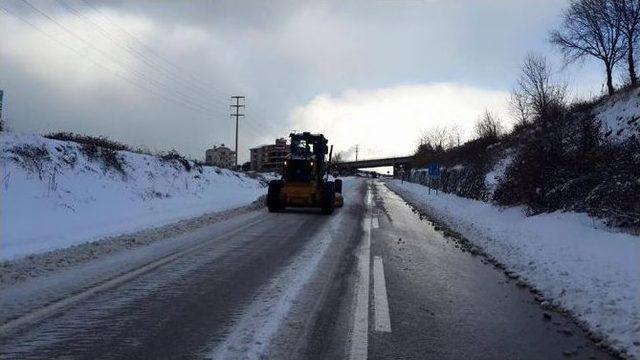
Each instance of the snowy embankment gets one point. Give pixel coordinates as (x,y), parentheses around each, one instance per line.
(619,116)
(59,193)
(575,261)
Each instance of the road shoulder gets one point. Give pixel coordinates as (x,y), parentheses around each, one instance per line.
(45,264)
(464,233)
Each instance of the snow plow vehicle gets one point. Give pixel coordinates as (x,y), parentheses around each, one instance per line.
(305,177)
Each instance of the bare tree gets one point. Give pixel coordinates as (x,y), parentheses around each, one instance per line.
(519,107)
(626,16)
(455,136)
(337,158)
(589,30)
(488,126)
(441,138)
(536,92)
(435,138)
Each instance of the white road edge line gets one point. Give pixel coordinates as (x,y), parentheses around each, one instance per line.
(381,303)
(360,334)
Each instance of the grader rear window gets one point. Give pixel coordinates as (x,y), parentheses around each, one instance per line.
(301,148)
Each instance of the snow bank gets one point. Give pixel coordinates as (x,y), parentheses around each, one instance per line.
(571,258)
(61,197)
(619,116)
(496,175)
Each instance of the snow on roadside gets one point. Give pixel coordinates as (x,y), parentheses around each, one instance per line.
(36,265)
(61,197)
(573,259)
(496,175)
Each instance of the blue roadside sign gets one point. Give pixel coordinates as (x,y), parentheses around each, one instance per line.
(434,169)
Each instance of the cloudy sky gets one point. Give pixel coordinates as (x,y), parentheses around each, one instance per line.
(373,73)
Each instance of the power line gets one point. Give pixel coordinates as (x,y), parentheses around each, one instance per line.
(193,79)
(71,49)
(181,99)
(138,74)
(148,61)
(196,81)
(96,63)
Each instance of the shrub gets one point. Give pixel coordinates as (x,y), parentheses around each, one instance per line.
(30,157)
(112,160)
(488,126)
(95,141)
(173,155)
(564,163)
(540,164)
(108,156)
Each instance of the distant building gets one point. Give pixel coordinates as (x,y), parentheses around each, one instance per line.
(220,156)
(269,158)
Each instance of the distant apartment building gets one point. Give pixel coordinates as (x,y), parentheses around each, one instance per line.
(269,158)
(220,156)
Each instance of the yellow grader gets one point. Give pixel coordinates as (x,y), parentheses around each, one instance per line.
(305,177)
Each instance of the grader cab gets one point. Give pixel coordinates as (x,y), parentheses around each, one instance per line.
(305,181)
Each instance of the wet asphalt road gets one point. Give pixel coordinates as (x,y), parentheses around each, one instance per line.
(290,285)
(448,304)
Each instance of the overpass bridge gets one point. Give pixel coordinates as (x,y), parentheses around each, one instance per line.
(404,162)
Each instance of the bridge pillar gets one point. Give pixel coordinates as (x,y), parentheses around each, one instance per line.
(401,170)
(397,170)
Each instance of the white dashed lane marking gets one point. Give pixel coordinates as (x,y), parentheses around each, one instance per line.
(382,323)
(360,335)
(381,303)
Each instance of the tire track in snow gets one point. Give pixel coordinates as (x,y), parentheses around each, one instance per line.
(251,336)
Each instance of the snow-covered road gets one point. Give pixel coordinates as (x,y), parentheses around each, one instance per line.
(227,288)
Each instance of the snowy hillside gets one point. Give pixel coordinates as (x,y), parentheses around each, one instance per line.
(585,159)
(619,116)
(58,193)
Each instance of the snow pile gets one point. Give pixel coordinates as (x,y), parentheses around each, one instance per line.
(55,194)
(496,175)
(619,116)
(573,259)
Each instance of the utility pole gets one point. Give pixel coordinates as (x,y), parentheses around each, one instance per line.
(236,113)
(1,97)
(357,148)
